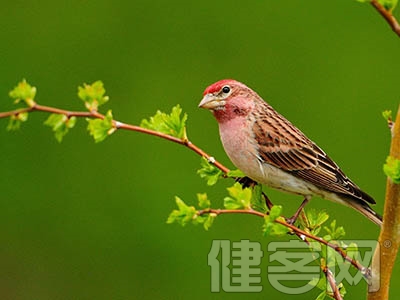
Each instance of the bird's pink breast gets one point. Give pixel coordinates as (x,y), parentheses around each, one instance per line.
(236,139)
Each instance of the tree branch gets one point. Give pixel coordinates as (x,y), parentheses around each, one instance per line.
(387,15)
(389,238)
(299,232)
(118,125)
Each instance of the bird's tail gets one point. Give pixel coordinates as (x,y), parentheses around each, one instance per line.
(363,208)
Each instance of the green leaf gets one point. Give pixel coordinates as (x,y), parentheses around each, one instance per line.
(100,129)
(60,124)
(206,219)
(209,172)
(322,217)
(172,124)
(209,221)
(204,202)
(387,115)
(183,215)
(275,212)
(257,200)
(334,232)
(93,95)
(24,91)
(312,220)
(16,120)
(239,198)
(388,4)
(270,227)
(392,169)
(236,174)
(188,214)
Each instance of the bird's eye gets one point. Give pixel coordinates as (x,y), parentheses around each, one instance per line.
(226,89)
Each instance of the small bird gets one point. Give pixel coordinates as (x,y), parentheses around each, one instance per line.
(272,151)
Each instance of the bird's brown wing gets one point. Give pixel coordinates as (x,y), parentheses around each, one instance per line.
(284,146)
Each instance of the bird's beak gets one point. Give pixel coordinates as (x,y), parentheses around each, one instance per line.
(211,102)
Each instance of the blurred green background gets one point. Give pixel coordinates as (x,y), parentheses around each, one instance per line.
(80,220)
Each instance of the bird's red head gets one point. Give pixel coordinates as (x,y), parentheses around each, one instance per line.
(227,99)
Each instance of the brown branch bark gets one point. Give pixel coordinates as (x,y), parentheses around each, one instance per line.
(332,283)
(387,15)
(389,238)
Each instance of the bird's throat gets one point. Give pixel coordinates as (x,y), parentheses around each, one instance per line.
(230,112)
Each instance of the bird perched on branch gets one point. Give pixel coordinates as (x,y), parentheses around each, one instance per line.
(272,151)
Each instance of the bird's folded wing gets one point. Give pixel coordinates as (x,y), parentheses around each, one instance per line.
(292,151)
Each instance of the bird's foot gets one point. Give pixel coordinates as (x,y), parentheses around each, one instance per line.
(293,219)
(267,201)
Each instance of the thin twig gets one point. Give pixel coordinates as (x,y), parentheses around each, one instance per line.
(387,15)
(331,280)
(118,125)
(231,211)
(15,112)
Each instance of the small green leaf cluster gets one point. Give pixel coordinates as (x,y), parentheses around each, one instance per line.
(334,232)
(392,169)
(22,92)
(390,5)
(239,198)
(212,174)
(16,120)
(189,214)
(25,92)
(100,129)
(387,115)
(271,227)
(235,174)
(60,124)
(93,95)
(172,124)
(248,198)
(209,172)
(311,220)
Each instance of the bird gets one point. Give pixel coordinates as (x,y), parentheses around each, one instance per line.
(270,150)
